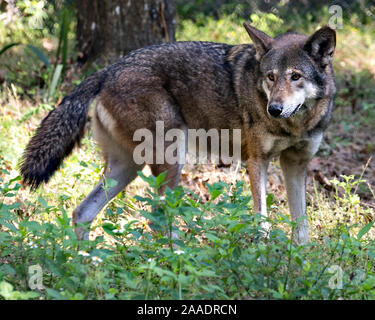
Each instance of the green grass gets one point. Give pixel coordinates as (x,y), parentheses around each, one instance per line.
(223,255)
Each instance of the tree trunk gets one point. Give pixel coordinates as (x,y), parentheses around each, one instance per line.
(109,29)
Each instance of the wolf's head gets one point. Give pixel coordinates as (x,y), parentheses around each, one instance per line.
(293,67)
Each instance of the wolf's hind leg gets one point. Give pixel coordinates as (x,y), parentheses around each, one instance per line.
(123,170)
(173,171)
(172,176)
(173,160)
(120,167)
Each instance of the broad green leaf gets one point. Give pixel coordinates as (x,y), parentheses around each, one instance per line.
(364,230)
(39,54)
(55,79)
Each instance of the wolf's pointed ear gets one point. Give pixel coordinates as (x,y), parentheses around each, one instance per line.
(262,42)
(321,45)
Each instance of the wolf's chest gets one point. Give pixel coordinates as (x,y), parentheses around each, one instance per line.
(273,145)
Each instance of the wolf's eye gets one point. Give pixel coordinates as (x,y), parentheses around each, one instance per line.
(271,77)
(295,76)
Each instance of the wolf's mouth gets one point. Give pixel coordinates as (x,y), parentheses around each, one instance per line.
(295,110)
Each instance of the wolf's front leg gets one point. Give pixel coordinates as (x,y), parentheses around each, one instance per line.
(295,181)
(258,182)
(294,163)
(294,166)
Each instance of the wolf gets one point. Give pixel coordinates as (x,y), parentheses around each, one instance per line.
(278,91)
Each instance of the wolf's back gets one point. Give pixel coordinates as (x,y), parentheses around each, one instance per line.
(59,132)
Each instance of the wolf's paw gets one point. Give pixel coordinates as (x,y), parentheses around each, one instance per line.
(81,233)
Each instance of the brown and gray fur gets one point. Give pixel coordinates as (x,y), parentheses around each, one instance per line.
(200,85)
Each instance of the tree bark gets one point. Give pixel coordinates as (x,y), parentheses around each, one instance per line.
(108,29)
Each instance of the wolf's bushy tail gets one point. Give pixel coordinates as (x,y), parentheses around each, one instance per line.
(59,132)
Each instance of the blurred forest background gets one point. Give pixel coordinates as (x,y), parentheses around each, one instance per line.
(48,47)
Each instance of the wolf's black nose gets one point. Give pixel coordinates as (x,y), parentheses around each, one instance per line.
(275,109)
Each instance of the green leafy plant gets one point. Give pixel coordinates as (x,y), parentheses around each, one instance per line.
(195,249)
